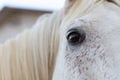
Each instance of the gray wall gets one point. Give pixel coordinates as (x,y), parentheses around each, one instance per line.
(14,21)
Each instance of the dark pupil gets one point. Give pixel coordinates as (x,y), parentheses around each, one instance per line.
(74,37)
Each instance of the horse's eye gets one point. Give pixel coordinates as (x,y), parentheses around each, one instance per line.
(75,37)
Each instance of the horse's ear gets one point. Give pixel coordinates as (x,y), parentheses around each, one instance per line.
(68,5)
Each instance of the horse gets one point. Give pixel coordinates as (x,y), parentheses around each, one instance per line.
(79,42)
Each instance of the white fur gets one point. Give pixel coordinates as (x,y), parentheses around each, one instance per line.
(98,57)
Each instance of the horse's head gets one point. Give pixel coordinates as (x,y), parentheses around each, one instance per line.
(90,45)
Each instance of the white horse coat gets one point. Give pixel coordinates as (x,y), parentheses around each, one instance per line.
(98,57)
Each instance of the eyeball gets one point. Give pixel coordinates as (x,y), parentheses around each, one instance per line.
(75,36)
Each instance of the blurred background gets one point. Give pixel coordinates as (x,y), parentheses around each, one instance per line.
(17,15)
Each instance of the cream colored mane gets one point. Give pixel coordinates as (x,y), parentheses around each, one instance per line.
(32,55)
